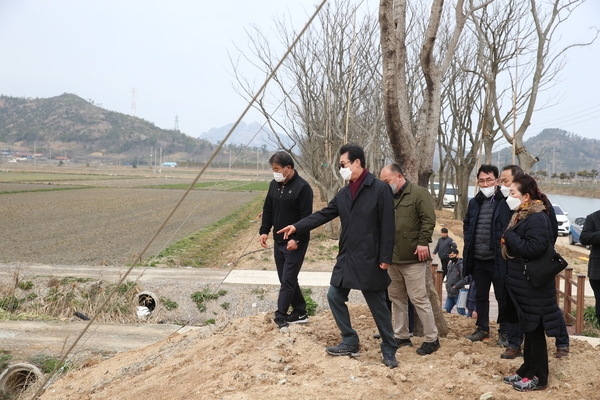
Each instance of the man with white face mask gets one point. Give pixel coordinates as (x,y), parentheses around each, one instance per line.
(486,219)
(289,199)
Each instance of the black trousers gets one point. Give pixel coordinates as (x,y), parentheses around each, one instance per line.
(376,300)
(445,262)
(535,356)
(484,275)
(288,267)
(595,284)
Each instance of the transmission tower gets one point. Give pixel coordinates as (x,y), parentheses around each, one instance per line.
(176,128)
(133,101)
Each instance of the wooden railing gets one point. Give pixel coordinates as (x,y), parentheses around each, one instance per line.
(569,300)
(438,279)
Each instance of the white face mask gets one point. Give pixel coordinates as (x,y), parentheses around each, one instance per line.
(488,191)
(346,173)
(513,203)
(394,187)
(278,176)
(505,190)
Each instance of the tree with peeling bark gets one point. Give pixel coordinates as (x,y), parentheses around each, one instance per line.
(413,125)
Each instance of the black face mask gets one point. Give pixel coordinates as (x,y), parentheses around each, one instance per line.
(453,258)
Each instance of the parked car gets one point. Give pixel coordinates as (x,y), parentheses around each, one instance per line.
(564,226)
(450,195)
(575,231)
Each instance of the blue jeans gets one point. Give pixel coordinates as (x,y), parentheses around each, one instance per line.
(450,303)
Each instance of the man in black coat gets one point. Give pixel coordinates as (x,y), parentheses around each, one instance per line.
(590,235)
(366,210)
(289,199)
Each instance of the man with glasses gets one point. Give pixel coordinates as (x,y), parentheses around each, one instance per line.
(483,226)
(366,210)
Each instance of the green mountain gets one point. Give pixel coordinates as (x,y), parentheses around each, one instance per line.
(70,125)
(558,151)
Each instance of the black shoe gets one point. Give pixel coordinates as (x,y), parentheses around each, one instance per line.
(281,322)
(377,335)
(390,360)
(343,349)
(403,342)
(428,347)
(297,318)
(479,335)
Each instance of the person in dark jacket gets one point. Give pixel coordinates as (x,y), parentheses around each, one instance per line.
(366,210)
(590,235)
(442,247)
(289,199)
(513,333)
(487,217)
(455,281)
(527,236)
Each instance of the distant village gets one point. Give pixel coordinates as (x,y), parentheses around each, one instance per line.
(27,156)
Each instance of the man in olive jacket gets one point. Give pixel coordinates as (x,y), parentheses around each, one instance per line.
(415,221)
(366,210)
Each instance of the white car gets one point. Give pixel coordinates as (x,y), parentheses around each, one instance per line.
(564,226)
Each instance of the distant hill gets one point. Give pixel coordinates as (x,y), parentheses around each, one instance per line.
(68,124)
(253,135)
(558,151)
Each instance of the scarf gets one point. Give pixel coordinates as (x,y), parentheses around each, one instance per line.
(525,210)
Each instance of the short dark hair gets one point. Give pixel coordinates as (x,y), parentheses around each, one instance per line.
(515,170)
(488,168)
(453,250)
(282,159)
(354,152)
(397,169)
(444,230)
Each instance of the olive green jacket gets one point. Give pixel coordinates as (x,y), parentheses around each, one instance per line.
(415,221)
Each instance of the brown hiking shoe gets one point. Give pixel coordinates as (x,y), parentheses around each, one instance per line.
(511,353)
(562,352)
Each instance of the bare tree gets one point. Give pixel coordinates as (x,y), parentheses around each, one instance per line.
(413,127)
(517,42)
(328,92)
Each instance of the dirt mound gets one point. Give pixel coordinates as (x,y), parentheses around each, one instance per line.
(250,358)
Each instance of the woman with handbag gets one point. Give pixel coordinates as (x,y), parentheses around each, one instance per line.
(526,240)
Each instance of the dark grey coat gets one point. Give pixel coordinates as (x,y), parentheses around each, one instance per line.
(529,238)
(367,236)
(590,235)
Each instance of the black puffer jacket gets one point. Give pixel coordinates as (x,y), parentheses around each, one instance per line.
(529,238)
(499,221)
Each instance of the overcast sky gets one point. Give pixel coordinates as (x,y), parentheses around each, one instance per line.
(175,56)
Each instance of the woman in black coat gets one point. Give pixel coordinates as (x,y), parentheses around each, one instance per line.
(527,236)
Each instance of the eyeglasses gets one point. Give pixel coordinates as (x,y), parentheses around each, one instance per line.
(342,165)
(488,181)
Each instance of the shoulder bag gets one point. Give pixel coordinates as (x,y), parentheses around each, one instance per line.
(544,269)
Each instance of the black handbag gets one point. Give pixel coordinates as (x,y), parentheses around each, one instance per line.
(544,269)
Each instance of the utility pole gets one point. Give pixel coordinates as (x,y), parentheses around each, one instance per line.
(176,128)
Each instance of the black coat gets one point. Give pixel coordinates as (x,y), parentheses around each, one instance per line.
(367,236)
(530,238)
(500,220)
(590,235)
(286,204)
